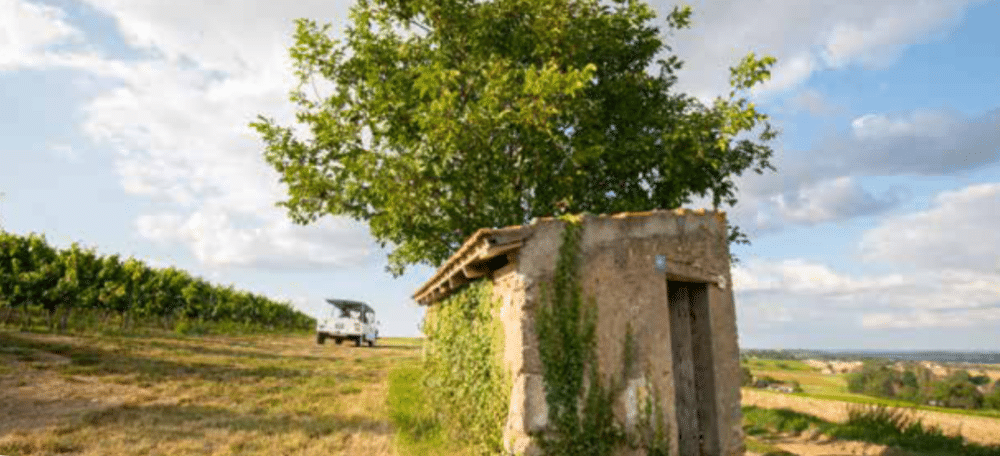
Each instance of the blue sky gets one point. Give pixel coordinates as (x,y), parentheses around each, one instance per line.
(124,128)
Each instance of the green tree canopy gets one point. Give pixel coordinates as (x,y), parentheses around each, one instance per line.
(448,116)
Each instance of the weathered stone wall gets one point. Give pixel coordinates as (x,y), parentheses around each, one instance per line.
(528,269)
(509,289)
(619,273)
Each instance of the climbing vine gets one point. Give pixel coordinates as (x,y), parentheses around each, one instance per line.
(464,377)
(580,402)
(581,419)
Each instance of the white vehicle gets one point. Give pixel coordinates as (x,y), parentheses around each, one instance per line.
(348,320)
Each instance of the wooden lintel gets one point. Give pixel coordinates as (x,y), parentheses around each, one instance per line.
(474,271)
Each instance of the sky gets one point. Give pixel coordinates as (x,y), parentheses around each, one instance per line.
(123,126)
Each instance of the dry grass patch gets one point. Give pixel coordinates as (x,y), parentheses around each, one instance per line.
(169,395)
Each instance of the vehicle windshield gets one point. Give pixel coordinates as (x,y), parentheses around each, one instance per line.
(352,314)
(352,310)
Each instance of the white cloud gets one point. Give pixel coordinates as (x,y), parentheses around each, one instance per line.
(234,37)
(876,40)
(813,102)
(178,121)
(801,276)
(952,253)
(832,200)
(768,313)
(64,151)
(927,319)
(959,231)
(789,73)
(807,36)
(820,185)
(922,124)
(28,29)
(946,298)
(216,240)
(769,203)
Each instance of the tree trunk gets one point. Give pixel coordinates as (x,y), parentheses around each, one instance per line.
(25,319)
(64,321)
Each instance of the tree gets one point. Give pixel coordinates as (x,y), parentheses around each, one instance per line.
(746,377)
(446,117)
(875,379)
(992,400)
(138,281)
(980,380)
(856,383)
(40,280)
(113,294)
(963,394)
(956,391)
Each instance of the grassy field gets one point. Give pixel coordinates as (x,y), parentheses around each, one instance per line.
(169,395)
(165,394)
(834,386)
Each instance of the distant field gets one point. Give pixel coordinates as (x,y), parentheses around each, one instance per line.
(834,387)
(758,364)
(167,395)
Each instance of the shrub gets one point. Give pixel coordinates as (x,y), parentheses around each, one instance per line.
(980,380)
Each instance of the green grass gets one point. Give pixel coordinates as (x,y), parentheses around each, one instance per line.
(418,432)
(762,421)
(874,424)
(415,342)
(765,449)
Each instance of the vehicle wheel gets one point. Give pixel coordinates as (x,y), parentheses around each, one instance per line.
(320,338)
(357,342)
(339,341)
(371,343)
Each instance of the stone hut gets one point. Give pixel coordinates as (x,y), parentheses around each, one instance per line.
(663,274)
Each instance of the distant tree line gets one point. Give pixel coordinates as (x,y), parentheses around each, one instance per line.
(769,354)
(78,285)
(952,357)
(918,384)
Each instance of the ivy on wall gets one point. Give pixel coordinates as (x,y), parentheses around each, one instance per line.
(463,372)
(581,419)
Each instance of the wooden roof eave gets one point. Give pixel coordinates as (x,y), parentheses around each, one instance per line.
(465,268)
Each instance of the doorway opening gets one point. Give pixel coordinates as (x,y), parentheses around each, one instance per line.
(694,370)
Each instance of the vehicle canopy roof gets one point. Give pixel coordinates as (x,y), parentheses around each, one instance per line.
(346,306)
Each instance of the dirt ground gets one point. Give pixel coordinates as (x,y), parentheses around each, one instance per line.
(269,395)
(801,448)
